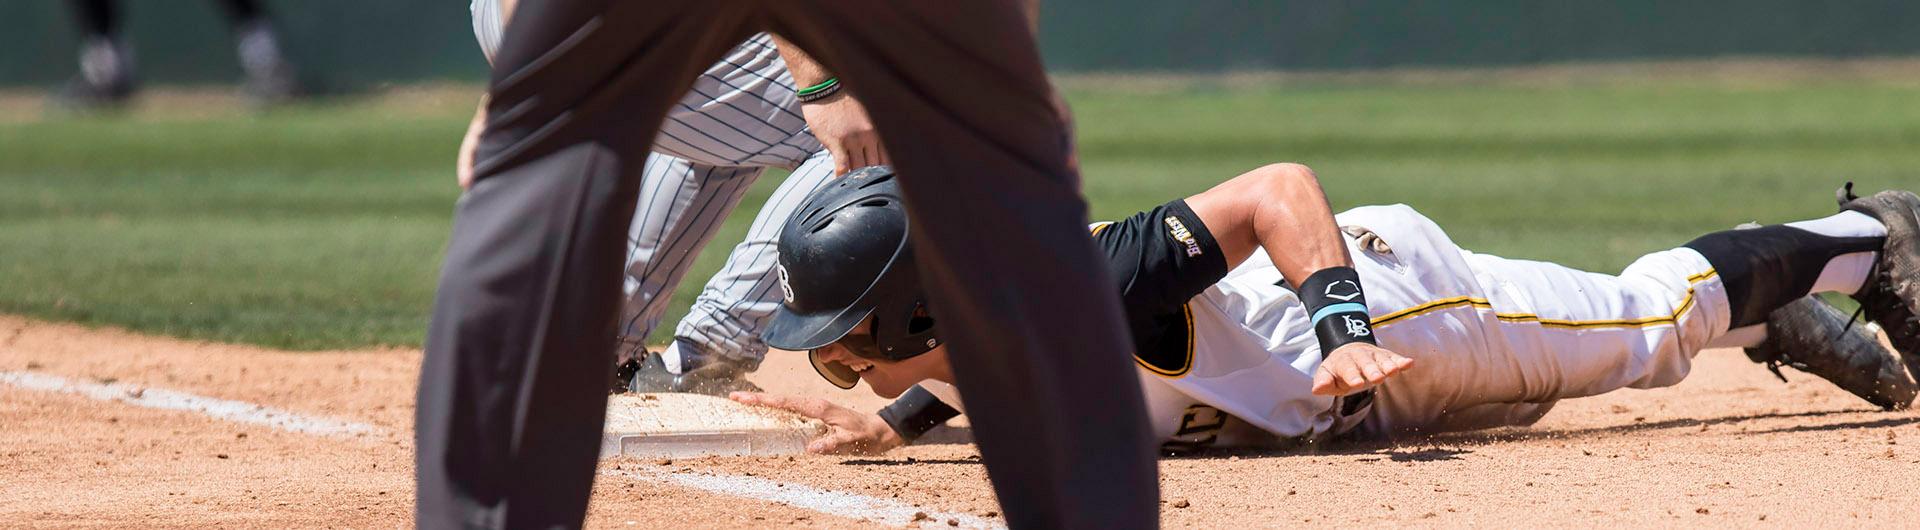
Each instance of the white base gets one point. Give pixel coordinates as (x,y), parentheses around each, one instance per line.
(687,425)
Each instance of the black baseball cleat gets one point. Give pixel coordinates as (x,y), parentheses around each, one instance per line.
(1819,339)
(1891,296)
(715,377)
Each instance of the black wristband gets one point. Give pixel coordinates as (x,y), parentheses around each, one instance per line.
(916,412)
(1338,308)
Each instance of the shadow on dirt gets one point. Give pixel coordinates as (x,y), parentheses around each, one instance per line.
(1888,422)
(1446,447)
(1703,424)
(972,461)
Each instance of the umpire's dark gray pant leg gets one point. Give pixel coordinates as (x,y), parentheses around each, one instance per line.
(512,390)
(514,385)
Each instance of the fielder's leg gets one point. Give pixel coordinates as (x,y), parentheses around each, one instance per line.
(958,92)
(511,398)
(680,209)
(724,324)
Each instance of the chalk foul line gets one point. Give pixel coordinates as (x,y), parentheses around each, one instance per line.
(160,398)
(842,504)
(848,505)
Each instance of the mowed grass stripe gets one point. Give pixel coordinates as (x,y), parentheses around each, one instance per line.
(322,226)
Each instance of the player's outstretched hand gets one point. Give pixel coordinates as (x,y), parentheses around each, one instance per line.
(849,432)
(1356,366)
(841,124)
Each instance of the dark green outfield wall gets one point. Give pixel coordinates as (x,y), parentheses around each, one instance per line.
(1329,34)
(352,43)
(344,42)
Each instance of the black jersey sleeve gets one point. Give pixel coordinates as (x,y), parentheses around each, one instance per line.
(1160,258)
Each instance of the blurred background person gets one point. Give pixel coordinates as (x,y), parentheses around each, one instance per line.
(107,76)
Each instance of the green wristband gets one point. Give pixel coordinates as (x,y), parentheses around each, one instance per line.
(824,86)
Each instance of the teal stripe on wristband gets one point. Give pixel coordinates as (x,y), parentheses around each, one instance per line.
(1337,308)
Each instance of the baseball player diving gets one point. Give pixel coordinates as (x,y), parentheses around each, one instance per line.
(1261,318)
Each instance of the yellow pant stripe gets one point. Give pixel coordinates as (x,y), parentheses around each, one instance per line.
(1686,304)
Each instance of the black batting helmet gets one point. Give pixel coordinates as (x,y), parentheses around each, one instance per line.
(844,256)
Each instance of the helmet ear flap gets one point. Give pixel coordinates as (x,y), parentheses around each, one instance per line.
(905,328)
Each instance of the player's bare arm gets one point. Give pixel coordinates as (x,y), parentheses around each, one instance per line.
(463,167)
(1280,208)
(837,119)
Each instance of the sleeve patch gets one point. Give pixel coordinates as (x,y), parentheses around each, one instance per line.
(1178,231)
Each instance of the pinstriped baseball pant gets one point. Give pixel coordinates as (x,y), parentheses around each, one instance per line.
(681,208)
(740,118)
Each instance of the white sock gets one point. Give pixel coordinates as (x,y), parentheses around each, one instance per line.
(1846,273)
(1741,337)
(672,358)
(1844,224)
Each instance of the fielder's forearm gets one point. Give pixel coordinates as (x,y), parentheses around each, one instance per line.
(806,71)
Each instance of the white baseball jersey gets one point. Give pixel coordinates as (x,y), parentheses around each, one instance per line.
(740,118)
(1227,358)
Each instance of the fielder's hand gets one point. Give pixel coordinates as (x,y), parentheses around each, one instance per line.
(1356,366)
(848,432)
(841,123)
(463,166)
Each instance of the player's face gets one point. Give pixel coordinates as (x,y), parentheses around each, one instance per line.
(890,378)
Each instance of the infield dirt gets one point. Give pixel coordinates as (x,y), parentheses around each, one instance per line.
(1731,446)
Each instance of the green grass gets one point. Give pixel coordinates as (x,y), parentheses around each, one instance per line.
(322,226)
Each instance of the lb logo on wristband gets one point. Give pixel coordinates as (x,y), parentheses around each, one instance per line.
(1357,327)
(1338,307)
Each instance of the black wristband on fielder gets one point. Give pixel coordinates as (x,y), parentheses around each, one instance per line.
(1338,308)
(916,412)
